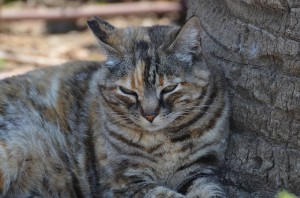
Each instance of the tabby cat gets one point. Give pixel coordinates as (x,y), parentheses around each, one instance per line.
(150,121)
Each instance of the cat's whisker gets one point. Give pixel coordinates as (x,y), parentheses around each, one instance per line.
(194,108)
(119,120)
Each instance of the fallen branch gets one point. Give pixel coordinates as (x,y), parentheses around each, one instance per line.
(32,60)
(134,8)
(15,72)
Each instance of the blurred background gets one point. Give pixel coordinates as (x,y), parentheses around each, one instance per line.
(40,33)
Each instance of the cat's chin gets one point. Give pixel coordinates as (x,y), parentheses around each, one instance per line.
(153,128)
(156,125)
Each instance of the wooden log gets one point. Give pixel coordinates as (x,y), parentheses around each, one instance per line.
(32,60)
(134,8)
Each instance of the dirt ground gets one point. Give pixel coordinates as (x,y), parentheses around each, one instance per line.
(25,45)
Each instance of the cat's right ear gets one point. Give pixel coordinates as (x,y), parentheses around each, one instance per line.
(187,43)
(103,31)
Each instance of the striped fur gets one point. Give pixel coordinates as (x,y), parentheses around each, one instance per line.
(151,121)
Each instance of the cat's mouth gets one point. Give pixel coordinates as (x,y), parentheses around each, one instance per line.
(156,125)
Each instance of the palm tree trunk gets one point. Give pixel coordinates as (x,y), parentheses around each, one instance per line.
(257,43)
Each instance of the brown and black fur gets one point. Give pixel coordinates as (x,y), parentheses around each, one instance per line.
(150,121)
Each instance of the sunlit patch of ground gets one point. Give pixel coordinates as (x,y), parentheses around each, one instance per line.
(25,45)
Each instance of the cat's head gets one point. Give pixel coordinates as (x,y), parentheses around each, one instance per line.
(154,77)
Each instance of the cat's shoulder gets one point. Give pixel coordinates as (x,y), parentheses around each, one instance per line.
(65,70)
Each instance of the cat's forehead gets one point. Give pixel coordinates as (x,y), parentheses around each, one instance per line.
(141,38)
(141,48)
(145,63)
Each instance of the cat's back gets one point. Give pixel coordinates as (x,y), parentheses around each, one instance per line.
(45,93)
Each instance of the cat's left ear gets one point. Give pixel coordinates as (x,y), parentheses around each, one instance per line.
(187,42)
(101,29)
(103,32)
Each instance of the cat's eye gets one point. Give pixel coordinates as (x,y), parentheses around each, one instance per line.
(168,89)
(127,91)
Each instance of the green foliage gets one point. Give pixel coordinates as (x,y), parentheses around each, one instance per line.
(2,64)
(285,194)
(101,2)
(9,1)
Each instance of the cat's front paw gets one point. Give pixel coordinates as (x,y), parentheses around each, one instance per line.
(162,192)
(206,188)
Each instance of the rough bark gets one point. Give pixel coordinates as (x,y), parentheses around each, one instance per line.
(257,42)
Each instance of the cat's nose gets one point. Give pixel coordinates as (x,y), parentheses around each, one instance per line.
(150,108)
(150,118)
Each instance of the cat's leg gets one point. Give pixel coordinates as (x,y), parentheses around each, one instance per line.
(16,170)
(11,159)
(206,188)
(4,180)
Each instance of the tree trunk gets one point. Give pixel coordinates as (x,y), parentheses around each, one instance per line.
(257,43)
